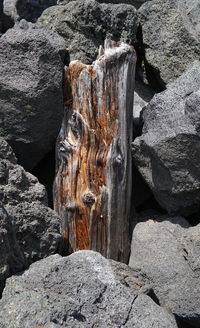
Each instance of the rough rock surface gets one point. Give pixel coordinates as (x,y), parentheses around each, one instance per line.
(37,226)
(135,3)
(171,36)
(11,260)
(168,152)
(168,254)
(1,15)
(85,24)
(14,10)
(78,291)
(142,96)
(31,105)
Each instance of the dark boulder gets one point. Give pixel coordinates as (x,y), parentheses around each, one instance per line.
(171,36)
(168,152)
(37,227)
(11,259)
(15,10)
(168,254)
(31,105)
(1,16)
(135,3)
(85,24)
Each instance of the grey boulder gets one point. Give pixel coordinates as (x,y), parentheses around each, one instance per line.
(171,36)
(135,3)
(142,96)
(11,259)
(37,227)
(31,105)
(168,152)
(77,291)
(85,24)
(14,10)
(168,254)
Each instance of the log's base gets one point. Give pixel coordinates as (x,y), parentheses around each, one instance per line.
(92,188)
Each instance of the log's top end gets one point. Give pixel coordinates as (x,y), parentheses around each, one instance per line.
(112,50)
(116,50)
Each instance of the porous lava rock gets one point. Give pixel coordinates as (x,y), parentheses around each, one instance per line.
(31,105)
(1,16)
(85,24)
(15,10)
(77,291)
(171,36)
(168,253)
(37,227)
(142,96)
(11,260)
(135,3)
(167,153)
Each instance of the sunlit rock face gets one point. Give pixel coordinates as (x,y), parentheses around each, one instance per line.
(167,154)
(93,180)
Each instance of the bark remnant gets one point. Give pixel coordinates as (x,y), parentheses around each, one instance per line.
(92,188)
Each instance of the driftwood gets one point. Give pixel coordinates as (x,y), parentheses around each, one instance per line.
(92,188)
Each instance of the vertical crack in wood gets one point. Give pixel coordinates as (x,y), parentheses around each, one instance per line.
(92,188)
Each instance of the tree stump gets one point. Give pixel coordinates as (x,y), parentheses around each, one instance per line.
(92,188)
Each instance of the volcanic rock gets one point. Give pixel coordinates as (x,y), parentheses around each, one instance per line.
(11,260)
(171,36)
(85,24)
(31,104)
(168,254)
(168,152)
(15,10)
(77,291)
(37,227)
(135,3)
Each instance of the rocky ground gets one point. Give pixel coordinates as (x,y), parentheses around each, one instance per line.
(160,286)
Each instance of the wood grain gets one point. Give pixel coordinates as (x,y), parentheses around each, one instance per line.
(92,188)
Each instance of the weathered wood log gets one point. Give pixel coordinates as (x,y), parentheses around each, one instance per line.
(92,188)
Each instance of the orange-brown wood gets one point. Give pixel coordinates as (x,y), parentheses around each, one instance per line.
(93,178)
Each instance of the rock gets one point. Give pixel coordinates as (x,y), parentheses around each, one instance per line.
(37,230)
(14,10)
(142,96)
(146,313)
(141,193)
(6,152)
(168,152)
(37,226)
(31,91)
(132,277)
(168,254)
(171,36)
(77,291)
(5,21)
(135,3)
(11,260)
(84,33)
(10,14)
(1,16)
